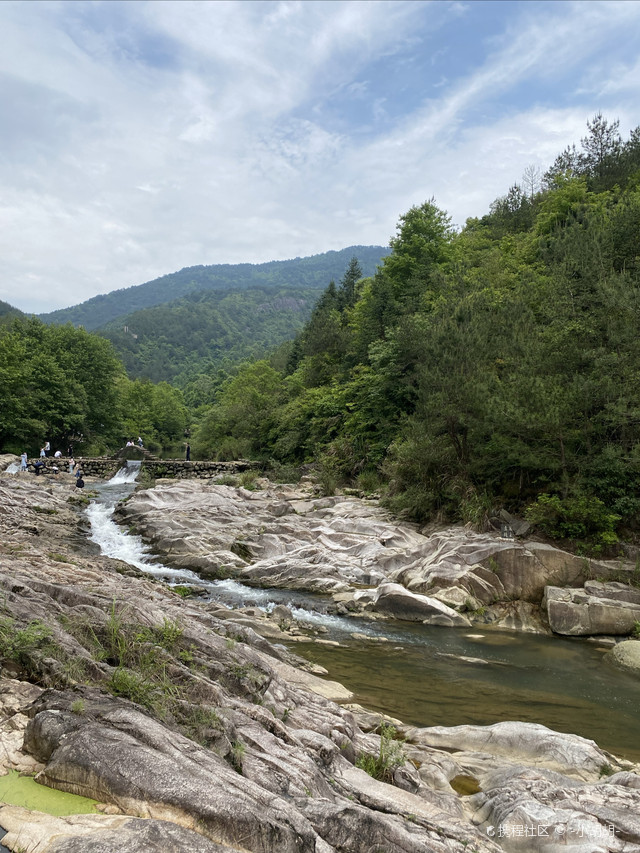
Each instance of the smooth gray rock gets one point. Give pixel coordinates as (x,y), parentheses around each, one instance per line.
(574,612)
(627,655)
(394,600)
(527,743)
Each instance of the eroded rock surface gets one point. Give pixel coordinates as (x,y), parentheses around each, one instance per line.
(222,740)
(281,537)
(627,655)
(599,608)
(227,746)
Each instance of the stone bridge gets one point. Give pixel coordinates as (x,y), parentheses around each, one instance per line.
(105,467)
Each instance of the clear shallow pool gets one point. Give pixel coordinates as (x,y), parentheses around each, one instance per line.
(422,680)
(420,675)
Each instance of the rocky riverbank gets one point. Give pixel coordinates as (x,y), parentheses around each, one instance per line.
(372,565)
(195,733)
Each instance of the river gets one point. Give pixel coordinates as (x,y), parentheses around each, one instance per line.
(427,675)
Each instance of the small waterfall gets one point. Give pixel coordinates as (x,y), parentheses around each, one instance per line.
(13,468)
(117,543)
(127,474)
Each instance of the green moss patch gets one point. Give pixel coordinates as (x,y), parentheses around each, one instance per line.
(17,790)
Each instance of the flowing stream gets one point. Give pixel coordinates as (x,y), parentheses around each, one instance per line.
(426,675)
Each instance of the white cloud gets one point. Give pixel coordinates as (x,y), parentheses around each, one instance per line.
(144,137)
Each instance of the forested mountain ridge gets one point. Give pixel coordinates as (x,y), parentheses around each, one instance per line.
(313,272)
(207,331)
(495,367)
(7,310)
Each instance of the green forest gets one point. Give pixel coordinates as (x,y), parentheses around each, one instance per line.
(312,272)
(208,331)
(68,386)
(497,366)
(493,366)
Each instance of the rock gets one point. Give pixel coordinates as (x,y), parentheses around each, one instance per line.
(92,833)
(593,818)
(7,459)
(457,598)
(627,655)
(519,616)
(613,590)
(526,743)
(574,612)
(282,615)
(16,697)
(519,526)
(394,600)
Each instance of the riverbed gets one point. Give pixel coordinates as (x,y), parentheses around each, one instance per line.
(426,675)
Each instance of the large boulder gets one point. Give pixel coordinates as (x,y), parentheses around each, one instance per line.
(392,599)
(627,655)
(492,569)
(574,612)
(531,744)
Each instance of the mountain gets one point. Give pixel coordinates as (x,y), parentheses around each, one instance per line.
(7,311)
(208,330)
(301,273)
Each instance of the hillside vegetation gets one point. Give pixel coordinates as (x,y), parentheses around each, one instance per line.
(311,272)
(208,331)
(498,366)
(68,386)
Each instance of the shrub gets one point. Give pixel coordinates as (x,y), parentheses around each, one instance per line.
(578,516)
(389,757)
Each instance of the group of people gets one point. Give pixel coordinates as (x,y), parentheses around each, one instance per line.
(40,465)
(132,443)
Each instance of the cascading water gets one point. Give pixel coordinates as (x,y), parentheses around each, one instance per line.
(119,544)
(127,474)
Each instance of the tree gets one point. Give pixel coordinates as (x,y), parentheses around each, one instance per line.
(347,291)
(532,180)
(423,240)
(601,146)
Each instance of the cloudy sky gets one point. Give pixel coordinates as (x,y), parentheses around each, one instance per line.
(142,137)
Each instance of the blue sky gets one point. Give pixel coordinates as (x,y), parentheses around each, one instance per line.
(142,137)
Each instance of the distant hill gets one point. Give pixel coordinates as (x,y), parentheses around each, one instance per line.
(208,330)
(301,273)
(8,311)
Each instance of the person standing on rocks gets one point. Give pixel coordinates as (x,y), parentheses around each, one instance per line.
(72,465)
(188,453)
(23,461)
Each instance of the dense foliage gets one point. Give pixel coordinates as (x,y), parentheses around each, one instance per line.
(311,272)
(208,331)
(495,366)
(67,386)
